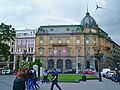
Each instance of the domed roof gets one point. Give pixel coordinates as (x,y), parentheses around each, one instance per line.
(88,21)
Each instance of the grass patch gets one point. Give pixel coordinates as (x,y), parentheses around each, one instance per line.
(70,77)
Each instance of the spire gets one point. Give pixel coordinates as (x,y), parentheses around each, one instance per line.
(87,8)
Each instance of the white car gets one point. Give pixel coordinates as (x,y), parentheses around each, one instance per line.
(110,73)
(104,71)
(6,71)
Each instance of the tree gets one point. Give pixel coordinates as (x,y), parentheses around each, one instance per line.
(7,33)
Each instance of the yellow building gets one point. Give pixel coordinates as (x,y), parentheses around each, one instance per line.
(73,47)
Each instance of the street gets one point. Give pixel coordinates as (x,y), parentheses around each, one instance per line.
(88,85)
(6,83)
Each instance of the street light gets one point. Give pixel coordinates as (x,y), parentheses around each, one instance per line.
(98,55)
(77,60)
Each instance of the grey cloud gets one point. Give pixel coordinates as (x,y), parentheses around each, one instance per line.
(33,13)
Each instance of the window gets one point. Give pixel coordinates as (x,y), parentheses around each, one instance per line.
(29,49)
(67,40)
(55,51)
(32,49)
(51,29)
(68,29)
(32,41)
(12,50)
(64,52)
(18,42)
(41,51)
(18,50)
(77,30)
(51,39)
(88,51)
(30,58)
(51,51)
(87,39)
(68,51)
(79,51)
(59,39)
(12,43)
(24,42)
(59,52)
(78,41)
(94,42)
(22,49)
(42,40)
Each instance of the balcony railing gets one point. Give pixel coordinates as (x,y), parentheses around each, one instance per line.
(59,44)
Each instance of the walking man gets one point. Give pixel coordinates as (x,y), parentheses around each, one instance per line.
(55,80)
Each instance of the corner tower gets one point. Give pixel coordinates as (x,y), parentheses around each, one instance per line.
(88,21)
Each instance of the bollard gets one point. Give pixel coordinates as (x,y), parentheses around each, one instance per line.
(84,78)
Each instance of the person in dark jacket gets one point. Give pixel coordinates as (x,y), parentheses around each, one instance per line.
(55,80)
(19,82)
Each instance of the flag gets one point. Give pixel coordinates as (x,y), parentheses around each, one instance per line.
(55,52)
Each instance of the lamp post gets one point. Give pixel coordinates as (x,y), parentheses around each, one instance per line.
(77,60)
(98,55)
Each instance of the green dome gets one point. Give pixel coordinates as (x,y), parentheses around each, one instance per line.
(88,21)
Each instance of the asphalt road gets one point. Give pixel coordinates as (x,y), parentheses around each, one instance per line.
(88,85)
(6,83)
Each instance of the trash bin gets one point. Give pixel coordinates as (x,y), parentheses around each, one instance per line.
(19,84)
(84,78)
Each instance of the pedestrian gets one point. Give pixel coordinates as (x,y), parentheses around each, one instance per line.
(35,80)
(19,82)
(31,79)
(28,83)
(117,76)
(55,80)
(45,78)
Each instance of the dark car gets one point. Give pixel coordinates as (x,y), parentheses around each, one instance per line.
(113,78)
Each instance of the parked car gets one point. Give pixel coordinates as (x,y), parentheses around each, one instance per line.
(104,71)
(110,73)
(113,78)
(88,71)
(6,70)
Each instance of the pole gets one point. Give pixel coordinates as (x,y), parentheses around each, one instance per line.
(100,78)
(77,61)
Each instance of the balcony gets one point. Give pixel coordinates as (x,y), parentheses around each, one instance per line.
(59,44)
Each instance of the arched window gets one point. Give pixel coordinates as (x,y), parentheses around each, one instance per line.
(68,64)
(60,64)
(50,64)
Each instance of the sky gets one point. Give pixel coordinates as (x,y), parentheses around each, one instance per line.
(31,14)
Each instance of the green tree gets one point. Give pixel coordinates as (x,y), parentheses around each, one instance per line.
(7,33)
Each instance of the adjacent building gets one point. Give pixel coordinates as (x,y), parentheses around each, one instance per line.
(116,55)
(24,41)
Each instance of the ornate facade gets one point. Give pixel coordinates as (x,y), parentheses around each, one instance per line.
(71,47)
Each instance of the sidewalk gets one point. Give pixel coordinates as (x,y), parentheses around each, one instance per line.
(88,85)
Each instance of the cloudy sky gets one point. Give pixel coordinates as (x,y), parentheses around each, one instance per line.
(31,14)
